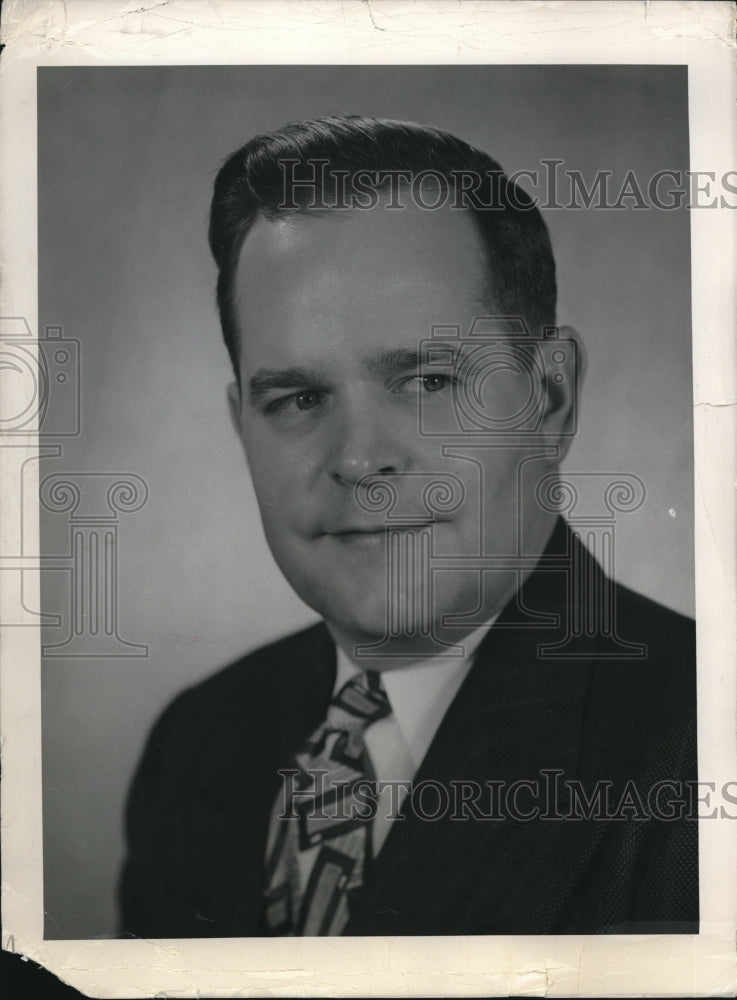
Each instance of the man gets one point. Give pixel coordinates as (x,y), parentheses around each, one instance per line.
(486,735)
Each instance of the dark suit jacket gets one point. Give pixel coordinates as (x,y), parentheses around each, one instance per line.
(199,806)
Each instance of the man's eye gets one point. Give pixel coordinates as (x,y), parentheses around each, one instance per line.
(434,382)
(307,400)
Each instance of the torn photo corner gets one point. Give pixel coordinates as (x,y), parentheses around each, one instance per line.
(367,443)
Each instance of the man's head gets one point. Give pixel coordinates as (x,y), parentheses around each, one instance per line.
(327,304)
(281,174)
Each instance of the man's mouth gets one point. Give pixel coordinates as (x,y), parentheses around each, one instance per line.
(367,536)
(363,538)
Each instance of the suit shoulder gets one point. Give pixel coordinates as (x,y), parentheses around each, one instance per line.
(648,664)
(649,609)
(255,675)
(656,678)
(641,705)
(655,622)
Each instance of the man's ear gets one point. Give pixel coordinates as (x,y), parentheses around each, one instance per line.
(565,367)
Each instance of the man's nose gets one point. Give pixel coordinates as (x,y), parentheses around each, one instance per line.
(365,443)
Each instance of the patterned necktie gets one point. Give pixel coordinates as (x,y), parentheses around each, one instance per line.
(320,835)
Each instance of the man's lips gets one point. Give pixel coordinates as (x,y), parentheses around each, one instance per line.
(371,536)
(357,531)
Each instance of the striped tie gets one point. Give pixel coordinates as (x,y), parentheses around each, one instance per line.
(319,839)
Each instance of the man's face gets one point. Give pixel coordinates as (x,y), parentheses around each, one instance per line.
(333,310)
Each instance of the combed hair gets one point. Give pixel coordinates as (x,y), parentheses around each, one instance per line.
(250,185)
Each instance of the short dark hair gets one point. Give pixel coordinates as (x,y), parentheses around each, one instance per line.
(251,185)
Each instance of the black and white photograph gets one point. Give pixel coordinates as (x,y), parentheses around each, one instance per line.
(360,541)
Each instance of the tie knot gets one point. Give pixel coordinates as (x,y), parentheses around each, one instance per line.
(361,701)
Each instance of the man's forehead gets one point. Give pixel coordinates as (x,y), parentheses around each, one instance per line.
(379,278)
(425,240)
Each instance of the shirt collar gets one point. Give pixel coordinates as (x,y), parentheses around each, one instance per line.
(420,693)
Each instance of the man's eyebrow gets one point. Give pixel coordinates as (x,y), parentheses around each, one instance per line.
(381,362)
(406,359)
(267,379)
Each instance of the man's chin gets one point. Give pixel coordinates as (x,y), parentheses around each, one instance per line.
(353,595)
(369,628)
(367,623)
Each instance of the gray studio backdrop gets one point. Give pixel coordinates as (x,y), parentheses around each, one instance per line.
(126,159)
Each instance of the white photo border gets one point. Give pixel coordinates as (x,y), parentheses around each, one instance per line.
(109,32)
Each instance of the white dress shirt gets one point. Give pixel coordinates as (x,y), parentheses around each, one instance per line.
(419,695)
